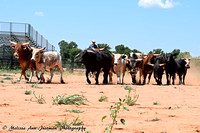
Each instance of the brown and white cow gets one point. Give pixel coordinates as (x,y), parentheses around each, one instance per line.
(120,67)
(23,55)
(45,60)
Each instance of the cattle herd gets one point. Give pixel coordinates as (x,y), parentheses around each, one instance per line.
(101,61)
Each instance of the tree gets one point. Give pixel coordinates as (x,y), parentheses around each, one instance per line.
(122,50)
(136,51)
(176,51)
(68,51)
(184,55)
(157,51)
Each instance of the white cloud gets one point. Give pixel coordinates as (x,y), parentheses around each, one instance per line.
(39,14)
(157,3)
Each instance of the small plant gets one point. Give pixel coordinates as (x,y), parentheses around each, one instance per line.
(103,99)
(114,111)
(75,122)
(35,86)
(1,81)
(13,82)
(5,75)
(129,100)
(155,103)
(61,124)
(128,88)
(40,98)
(73,99)
(7,78)
(74,111)
(27,92)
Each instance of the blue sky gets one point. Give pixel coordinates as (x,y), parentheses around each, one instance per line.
(139,24)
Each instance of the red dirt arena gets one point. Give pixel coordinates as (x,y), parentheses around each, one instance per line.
(177,108)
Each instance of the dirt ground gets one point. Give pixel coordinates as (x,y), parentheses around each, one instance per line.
(177,109)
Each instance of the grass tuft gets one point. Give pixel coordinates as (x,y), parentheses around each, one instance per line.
(73,99)
(74,111)
(75,122)
(7,78)
(103,99)
(27,92)
(130,101)
(40,98)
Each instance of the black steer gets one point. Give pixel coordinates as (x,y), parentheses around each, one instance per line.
(171,67)
(94,61)
(159,68)
(182,65)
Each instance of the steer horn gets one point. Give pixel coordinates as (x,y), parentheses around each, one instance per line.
(156,54)
(161,64)
(13,42)
(150,64)
(138,59)
(90,51)
(25,44)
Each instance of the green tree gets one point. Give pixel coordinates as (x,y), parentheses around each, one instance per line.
(121,49)
(184,55)
(68,51)
(176,51)
(157,51)
(136,51)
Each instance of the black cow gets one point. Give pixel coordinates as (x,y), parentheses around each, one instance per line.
(134,64)
(158,69)
(171,67)
(182,65)
(94,61)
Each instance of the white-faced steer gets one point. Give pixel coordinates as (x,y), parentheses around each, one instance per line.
(45,60)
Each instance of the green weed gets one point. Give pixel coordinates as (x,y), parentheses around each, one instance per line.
(36,86)
(74,111)
(73,99)
(40,98)
(114,112)
(155,103)
(60,125)
(27,92)
(7,78)
(103,99)
(130,101)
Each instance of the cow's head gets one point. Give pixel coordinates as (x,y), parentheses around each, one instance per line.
(37,54)
(117,58)
(187,62)
(19,48)
(86,56)
(169,56)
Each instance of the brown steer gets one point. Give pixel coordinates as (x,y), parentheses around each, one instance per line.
(23,55)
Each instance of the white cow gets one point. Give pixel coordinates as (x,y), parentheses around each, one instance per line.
(120,66)
(45,60)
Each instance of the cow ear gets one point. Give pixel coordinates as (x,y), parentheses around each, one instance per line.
(123,56)
(12,46)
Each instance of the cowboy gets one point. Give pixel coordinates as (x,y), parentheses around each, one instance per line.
(94,46)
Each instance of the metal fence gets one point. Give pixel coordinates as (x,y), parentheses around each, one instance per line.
(18,32)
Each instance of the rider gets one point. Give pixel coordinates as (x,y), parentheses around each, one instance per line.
(94,46)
